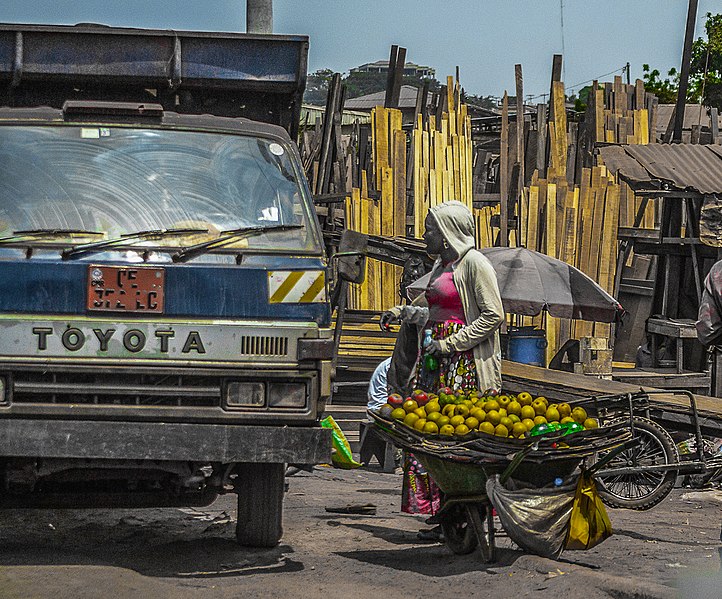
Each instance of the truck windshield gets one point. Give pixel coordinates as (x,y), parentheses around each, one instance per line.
(121,180)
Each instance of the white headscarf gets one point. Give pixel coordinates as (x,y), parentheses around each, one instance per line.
(456,224)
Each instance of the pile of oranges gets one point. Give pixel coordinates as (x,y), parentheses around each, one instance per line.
(457,413)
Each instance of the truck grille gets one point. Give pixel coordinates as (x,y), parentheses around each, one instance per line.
(116,389)
(254,345)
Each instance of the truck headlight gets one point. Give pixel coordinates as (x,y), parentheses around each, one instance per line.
(286,395)
(245,394)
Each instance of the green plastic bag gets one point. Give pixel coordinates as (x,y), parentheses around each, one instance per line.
(342,457)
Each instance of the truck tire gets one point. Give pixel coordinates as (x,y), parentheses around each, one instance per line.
(260,504)
(641,490)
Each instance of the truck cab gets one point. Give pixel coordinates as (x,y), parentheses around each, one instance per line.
(164,315)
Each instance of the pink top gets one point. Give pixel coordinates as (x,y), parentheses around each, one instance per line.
(444,301)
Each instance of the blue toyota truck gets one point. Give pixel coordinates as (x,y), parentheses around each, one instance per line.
(165,326)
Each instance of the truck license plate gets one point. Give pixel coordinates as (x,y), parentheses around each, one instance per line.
(125,289)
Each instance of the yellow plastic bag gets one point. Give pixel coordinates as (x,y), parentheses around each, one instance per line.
(589,524)
(341,455)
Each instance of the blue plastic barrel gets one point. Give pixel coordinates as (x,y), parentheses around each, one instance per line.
(527,345)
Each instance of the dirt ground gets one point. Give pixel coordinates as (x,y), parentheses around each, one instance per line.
(672,550)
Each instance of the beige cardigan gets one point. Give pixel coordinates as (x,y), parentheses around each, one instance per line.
(475,279)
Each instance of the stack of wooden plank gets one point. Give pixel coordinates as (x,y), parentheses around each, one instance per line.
(442,157)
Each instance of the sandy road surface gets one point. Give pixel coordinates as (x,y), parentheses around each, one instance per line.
(191,552)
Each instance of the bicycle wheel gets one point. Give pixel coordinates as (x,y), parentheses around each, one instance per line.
(642,489)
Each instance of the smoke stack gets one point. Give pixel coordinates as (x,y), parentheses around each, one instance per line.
(259,16)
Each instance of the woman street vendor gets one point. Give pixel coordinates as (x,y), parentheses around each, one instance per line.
(462,309)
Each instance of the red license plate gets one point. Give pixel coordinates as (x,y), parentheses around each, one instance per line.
(125,289)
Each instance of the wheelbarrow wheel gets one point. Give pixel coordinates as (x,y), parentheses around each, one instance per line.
(459,533)
(641,490)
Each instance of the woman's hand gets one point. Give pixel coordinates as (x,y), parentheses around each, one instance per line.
(387,319)
(434,349)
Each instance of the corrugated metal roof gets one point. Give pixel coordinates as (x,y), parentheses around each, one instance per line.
(685,166)
(407,99)
(348,117)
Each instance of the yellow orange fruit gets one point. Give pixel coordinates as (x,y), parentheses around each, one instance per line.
(518,430)
(456,420)
(524,398)
(540,420)
(447,429)
(478,413)
(564,409)
(501,431)
(410,419)
(552,414)
(494,417)
(431,428)
(591,423)
(462,429)
(409,405)
(487,427)
(504,400)
(514,407)
(471,422)
(507,422)
(433,416)
(579,414)
(398,414)
(566,419)
(527,412)
(491,405)
(419,424)
(442,421)
(528,423)
(432,406)
(420,412)
(462,410)
(503,412)
(540,408)
(514,418)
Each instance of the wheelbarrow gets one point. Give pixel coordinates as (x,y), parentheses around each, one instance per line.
(466,515)
(461,467)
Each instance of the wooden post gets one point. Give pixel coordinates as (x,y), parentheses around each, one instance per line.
(504,174)
(684,72)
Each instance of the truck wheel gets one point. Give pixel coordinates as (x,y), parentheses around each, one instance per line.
(260,504)
(641,490)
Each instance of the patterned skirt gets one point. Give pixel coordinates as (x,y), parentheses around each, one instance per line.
(457,371)
(419,493)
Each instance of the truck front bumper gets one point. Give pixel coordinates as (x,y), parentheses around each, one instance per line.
(25,438)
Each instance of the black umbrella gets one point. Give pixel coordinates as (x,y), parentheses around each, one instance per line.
(530,282)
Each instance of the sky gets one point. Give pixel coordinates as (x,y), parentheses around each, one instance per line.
(484,38)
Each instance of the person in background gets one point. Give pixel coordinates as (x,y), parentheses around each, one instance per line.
(709,325)
(378,393)
(462,308)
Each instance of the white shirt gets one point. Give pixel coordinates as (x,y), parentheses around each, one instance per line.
(378,393)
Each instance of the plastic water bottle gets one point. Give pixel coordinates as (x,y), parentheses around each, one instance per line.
(430,362)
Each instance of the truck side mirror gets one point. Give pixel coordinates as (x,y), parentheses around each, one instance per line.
(351,256)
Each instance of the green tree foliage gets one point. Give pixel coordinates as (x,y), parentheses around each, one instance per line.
(705,73)
(317,87)
(664,89)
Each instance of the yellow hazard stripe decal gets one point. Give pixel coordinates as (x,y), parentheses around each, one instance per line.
(296,286)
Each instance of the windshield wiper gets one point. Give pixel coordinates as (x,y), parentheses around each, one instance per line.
(98,246)
(226,238)
(33,234)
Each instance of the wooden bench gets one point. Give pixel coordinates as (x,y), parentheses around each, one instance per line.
(372,445)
